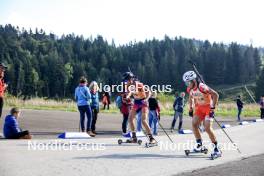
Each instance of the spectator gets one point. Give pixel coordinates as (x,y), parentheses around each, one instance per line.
(125,109)
(11,127)
(94,104)
(178,106)
(239,107)
(139,123)
(106,100)
(153,112)
(83,98)
(262,107)
(3,86)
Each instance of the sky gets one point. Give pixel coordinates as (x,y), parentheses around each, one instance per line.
(136,20)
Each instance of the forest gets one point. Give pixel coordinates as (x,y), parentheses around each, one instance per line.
(42,64)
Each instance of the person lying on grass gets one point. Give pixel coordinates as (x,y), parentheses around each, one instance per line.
(11,127)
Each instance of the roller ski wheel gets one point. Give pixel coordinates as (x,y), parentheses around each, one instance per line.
(138,141)
(215,155)
(204,151)
(120,141)
(130,141)
(187,152)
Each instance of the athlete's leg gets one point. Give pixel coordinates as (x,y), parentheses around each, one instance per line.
(132,116)
(208,123)
(144,119)
(196,121)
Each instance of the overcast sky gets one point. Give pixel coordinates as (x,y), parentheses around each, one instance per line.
(136,20)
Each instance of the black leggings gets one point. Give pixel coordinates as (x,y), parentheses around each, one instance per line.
(124,123)
(19,135)
(107,106)
(95,113)
(1,105)
(262,113)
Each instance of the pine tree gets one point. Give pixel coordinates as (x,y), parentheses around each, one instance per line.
(260,85)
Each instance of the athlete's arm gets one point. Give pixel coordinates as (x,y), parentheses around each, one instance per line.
(215,97)
(190,102)
(190,105)
(147,92)
(131,91)
(129,95)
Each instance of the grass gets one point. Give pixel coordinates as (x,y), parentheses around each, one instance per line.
(40,104)
(224,109)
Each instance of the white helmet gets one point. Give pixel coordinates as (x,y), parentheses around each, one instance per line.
(189,76)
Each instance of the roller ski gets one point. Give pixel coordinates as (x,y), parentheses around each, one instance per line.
(152,142)
(130,141)
(216,154)
(198,149)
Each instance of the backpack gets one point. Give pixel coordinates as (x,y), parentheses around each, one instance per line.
(118,102)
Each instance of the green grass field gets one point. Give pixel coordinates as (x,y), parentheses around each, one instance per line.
(224,109)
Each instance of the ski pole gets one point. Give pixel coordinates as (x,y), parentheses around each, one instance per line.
(165,131)
(227,136)
(163,128)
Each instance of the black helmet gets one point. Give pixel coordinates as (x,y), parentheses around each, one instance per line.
(127,76)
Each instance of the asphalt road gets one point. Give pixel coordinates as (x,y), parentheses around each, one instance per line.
(49,124)
(104,156)
(47,155)
(252,166)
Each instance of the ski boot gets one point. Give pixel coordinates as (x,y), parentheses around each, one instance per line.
(216,154)
(152,142)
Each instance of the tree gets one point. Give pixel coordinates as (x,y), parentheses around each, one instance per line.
(68,71)
(260,85)
(257,61)
(35,81)
(43,64)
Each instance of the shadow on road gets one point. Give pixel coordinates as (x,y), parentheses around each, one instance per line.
(140,156)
